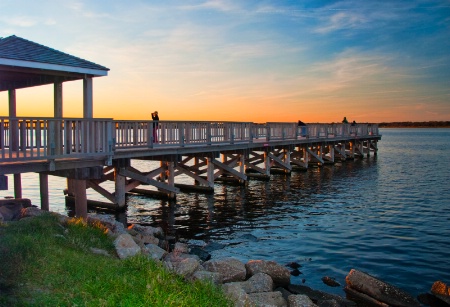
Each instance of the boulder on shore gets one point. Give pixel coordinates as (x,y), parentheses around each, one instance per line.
(441,291)
(280,275)
(378,290)
(230,269)
(10,209)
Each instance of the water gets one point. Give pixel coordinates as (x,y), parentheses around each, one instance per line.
(387,215)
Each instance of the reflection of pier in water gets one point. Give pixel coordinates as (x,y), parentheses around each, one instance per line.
(239,209)
(97,153)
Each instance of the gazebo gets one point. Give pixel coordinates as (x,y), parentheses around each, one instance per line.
(25,64)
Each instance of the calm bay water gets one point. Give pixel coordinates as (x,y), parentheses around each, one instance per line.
(387,215)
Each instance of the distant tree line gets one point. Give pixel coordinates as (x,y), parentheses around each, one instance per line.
(432,124)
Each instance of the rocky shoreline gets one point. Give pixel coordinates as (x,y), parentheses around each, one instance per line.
(255,283)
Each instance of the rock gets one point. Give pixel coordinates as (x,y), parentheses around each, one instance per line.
(295,272)
(379,290)
(147,230)
(230,269)
(181,248)
(115,227)
(362,299)
(175,256)
(21,202)
(142,239)
(428,299)
(153,251)
(259,282)
(280,275)
(202,254)
(11,209)
(318,296)
(284,292)
(164,244)
(300,301)
(329,281)
(99,251)
(268,299)
(331,303)
(31,211)
(293,265)
(183,267)
(125,246)
(237,295)
(213,277)
(441,291)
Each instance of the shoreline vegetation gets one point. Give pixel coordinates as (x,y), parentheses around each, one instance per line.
(53,261)
(430,124)
(49,259)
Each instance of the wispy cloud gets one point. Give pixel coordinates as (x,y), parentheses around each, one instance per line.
(219,5)
(20,21)
(356,15)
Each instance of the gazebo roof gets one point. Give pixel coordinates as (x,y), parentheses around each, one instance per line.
(24,63)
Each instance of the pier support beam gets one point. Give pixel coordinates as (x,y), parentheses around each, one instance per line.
(267,163)
(17,185)
(119,183)
(210,171)
(43,189)
(80,198)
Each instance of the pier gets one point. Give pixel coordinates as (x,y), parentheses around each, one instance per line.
(91,151)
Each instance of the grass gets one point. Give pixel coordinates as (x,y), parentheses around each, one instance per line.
(44,263)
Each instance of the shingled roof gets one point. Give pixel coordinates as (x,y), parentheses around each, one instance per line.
(24,63)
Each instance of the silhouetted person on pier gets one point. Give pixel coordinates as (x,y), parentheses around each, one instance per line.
(353,123)
(155,118)
(303,129)
(345,121)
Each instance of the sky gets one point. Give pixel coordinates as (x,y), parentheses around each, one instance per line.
(244,60)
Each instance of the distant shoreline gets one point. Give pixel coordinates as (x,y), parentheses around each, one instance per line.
(433,124)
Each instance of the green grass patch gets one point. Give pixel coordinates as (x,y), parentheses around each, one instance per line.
(44,263)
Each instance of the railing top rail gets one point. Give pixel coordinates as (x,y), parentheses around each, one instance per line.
(53,118)
(182,121)
(166,121)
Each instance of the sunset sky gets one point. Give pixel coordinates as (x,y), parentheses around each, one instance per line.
(245,60)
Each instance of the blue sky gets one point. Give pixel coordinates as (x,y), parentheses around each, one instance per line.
(318,61)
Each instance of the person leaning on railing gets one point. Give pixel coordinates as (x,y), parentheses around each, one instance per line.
(155,118)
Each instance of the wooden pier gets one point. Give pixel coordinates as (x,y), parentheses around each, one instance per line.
(91,151)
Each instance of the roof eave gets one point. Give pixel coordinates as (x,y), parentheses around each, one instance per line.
(55,67)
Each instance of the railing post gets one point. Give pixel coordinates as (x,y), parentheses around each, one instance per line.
(231,133)
(2,138)
(208,133)
(150,133)
(181,133)
(14,134)
(23,135)
(267,132)
(51,138)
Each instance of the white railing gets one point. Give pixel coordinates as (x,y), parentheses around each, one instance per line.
(137,134)
(341,130)
(51,138)
(23,138)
